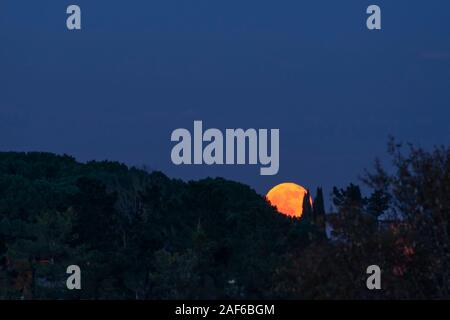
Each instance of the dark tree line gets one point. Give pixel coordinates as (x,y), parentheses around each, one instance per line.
(141,235)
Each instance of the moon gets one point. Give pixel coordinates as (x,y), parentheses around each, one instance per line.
(288,198)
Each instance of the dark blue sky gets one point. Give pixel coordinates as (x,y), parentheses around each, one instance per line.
(140,69)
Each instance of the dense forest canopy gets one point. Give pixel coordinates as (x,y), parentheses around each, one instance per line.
(140,235)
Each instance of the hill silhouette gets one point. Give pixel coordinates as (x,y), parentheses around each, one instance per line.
(135,233)
(141,235)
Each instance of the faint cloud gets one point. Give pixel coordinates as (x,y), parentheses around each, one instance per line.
(435,55)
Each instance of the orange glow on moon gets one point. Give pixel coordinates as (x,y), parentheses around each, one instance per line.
(288,198)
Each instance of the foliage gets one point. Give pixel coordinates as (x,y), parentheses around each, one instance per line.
(135,234)
(403,227)
(140,235)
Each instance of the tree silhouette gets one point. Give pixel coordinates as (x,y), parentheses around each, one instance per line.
(142,235)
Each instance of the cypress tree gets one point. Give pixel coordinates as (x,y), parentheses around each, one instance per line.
(319,210)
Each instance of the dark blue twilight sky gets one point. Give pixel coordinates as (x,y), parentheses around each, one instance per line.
(140,69)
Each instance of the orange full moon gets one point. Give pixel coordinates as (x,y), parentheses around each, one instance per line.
(288,198)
